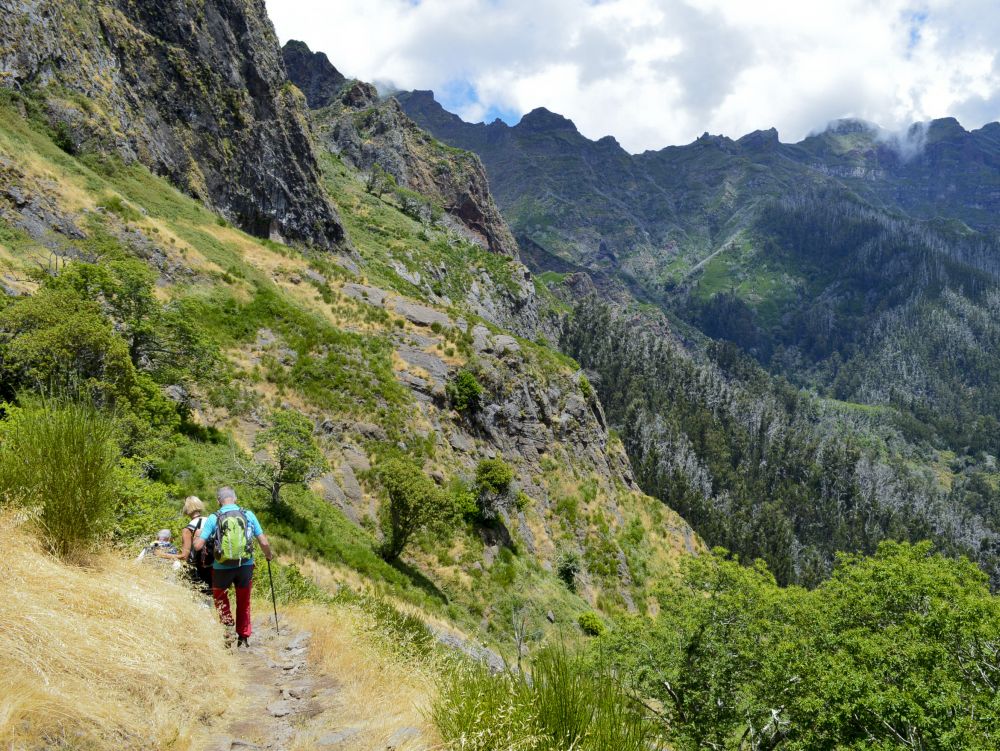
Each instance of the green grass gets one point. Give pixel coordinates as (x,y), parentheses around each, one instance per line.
(382,233)
(564,704)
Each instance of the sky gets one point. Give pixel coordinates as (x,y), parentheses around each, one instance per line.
(653,73)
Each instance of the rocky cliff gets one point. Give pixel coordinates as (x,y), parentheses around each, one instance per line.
(196,91)
(313,73)
(367,131)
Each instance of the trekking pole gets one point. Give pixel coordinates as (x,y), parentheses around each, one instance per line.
(274,600)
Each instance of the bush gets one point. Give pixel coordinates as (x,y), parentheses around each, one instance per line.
(568,568)
(563,705)
(465,392)
(591,623)
(413,503)
(59,461)
(493,485)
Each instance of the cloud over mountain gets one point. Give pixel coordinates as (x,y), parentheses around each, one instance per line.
(656,72)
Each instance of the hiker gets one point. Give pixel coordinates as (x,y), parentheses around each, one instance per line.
(232,531)
(199,562)
(161,544)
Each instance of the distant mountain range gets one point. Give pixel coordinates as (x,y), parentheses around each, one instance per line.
(858,262)
(591,202)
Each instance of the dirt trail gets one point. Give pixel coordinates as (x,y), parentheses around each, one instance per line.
(281,694)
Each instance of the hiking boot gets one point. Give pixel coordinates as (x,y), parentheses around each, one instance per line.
(243,641)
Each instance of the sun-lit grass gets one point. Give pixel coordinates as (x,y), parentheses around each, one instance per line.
(98,657)
(383,692)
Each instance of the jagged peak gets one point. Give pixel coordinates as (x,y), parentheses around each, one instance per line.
(312,72)
(541,118)
(759,139)
(944,127)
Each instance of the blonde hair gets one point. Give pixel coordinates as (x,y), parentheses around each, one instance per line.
(191,504)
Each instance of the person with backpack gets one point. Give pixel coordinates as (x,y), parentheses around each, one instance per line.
(199,562)
(231,530)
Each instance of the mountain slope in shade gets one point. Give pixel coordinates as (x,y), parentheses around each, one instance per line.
(195,91)
(312,72)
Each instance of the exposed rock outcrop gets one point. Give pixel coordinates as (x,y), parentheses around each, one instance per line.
(366,132)
(196,91)
(313,73)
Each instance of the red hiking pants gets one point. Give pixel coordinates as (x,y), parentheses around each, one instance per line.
(242,579)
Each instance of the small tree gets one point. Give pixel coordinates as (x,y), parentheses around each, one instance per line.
(493,486)
(413,503)
(294,457)
(465,392)
(379,181)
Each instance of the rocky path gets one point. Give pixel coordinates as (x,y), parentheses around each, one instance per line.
(281,694)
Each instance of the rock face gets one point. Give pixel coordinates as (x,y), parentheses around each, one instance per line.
(313,73)
(196,91)
(366,132)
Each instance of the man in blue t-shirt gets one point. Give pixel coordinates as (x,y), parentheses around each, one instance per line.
(238,574)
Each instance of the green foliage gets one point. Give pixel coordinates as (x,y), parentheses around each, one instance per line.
(895,651)
(62,136)
(568,567)
(294,456)
(759,467)
(413,502)
(57,341)
(290,585)
(565,704)
(59,462)
(493,476)
(591,624)
(379,181)
(116,205)
(143,505)
(465,392)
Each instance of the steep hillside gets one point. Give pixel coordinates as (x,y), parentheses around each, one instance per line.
(195,91)
(375,137)
(843,265)
(369,348)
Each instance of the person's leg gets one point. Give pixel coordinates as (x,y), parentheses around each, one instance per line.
(221,581)
(244,584)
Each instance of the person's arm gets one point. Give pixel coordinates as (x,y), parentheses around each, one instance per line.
(207,529)
(265,546)
(258,532)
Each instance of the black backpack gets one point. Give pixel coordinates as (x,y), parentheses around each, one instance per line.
(200,558)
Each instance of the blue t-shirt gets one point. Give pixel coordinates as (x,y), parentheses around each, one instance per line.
(208,529)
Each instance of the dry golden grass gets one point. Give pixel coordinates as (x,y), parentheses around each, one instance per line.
(99,657)
(380,694)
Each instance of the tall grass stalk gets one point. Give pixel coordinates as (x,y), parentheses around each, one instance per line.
(58,460)
(565,705)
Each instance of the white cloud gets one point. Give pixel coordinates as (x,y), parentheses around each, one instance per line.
(659,72)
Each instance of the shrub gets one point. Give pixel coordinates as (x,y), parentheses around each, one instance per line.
(494,476)
(292,456)
(116,205)
(59,461)
(493,485)
(465,392)
(568,568)
(591,624)
(413,503)
(62,136)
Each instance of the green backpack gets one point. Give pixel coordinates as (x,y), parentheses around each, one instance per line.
(233,538)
